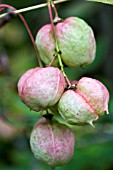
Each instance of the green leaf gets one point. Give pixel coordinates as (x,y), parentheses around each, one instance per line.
(103,1)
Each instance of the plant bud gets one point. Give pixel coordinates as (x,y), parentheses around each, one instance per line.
(52,142)
(86,103)
(75,39)
(41,88)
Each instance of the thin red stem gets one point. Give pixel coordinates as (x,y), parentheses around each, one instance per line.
(51,19)
(1,9)
(55,10)
(28,29)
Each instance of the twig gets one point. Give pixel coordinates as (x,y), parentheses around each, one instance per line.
(32,7)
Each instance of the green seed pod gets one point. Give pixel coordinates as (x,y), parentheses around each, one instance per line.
(86,103)
(75,39)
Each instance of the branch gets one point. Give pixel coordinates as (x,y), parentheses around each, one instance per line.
(32,7)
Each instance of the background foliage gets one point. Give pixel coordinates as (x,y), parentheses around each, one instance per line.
(103,1)
(94,147)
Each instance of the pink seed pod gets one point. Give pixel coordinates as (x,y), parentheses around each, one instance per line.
(95,92)
(75,39)
(86,103)
(52,142)
(41,88)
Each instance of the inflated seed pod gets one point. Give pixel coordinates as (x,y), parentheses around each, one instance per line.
(41,88)
(52,142)
(95,92)
(75,39)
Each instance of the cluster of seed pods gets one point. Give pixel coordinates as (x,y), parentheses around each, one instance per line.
(45,88)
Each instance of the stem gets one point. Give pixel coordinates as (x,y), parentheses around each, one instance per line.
(32,7)
(55,10)
(1,9)
(50,3)
(59,58)
(51,19)
(57,19)
(28,29)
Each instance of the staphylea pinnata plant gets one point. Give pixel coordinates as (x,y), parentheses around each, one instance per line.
(47,89)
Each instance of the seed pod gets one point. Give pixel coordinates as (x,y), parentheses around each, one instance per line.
(95,92)
(86,103)
(52,142)
(75,39)
(40,88)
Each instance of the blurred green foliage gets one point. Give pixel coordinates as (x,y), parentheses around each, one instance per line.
(104,1)
(94,147)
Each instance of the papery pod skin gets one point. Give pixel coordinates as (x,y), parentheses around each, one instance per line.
(95,92)
(75,110)
(41,88)
(75,39)
(52,142)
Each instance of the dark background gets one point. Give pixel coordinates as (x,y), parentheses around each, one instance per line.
(94,146)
